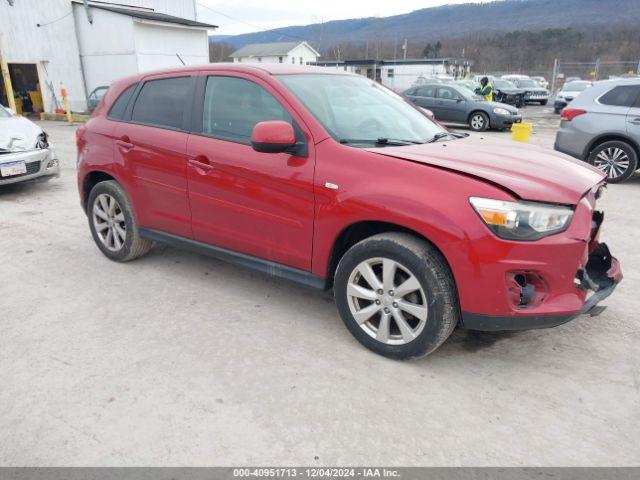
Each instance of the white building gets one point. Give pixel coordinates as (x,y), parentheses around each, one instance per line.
(81,45)
(297,53)
(400,75)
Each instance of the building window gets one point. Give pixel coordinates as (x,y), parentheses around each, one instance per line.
(293,60)
(280,59)
(300,60)
(390,73)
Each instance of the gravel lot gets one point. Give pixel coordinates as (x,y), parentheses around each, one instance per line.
(179,359)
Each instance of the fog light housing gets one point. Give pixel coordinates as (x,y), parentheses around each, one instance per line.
(53,163)
(526,289)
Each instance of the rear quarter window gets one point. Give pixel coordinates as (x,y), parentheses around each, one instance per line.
(119,107)
(163,102)
(621,96)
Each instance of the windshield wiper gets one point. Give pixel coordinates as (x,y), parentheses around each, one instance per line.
(440,136)
(390,142)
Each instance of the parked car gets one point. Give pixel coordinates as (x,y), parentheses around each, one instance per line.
(470,84)
(506,92)
(602,127)
(514,77)
(541,81)
(25,152)
(568,93)
(332,180)
(534,93)
(459,105)
(95,96)
(572,79)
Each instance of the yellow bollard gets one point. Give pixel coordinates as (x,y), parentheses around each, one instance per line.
(65,102)
(521,131)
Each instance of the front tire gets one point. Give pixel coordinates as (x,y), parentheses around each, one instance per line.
(113,225)
(479,121)
(615,158)
(396,295)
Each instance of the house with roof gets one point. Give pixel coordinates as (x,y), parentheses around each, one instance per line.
(80,45)
(297,53)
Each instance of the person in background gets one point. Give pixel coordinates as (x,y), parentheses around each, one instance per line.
(485,90)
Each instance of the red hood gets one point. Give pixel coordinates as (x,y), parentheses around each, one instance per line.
(532,173)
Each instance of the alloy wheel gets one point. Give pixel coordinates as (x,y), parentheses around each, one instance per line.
(387,301)
(477,122)
(109,222)
(613,161)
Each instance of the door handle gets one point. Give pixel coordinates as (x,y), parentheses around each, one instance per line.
(124,143)
(202,164)
(635,121)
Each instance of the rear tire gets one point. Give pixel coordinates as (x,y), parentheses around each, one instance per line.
(479,121)
(405,314)
(112,223)
(616,158)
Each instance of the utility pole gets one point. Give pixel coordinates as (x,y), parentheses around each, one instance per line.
(554,76)
(404,47)
(597,71)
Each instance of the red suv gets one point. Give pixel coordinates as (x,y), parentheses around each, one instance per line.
(331,180)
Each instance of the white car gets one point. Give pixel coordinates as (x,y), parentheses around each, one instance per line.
(569,91)
(541,81)
(25,152)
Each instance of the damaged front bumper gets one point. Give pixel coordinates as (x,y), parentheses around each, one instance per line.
(598,275)
(36,164)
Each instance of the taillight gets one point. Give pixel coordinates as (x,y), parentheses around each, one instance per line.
(569,114)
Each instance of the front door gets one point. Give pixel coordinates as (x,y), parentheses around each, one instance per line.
(255,203)
(633,118)
(451,105)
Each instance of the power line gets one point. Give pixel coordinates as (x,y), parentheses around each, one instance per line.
(54,21)
(247,23)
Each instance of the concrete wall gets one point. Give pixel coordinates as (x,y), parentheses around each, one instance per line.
(106,55)
(113,46)
(53,47)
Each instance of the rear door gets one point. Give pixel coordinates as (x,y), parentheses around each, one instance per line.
(633,117)
(425,97)
(255,203)
(151,148)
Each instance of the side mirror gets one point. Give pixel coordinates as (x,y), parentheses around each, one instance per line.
(273,136)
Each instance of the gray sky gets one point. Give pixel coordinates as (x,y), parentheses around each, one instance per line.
(282,13)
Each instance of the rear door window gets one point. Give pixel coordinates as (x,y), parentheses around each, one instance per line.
(621,96)
(163,102)
(233,106)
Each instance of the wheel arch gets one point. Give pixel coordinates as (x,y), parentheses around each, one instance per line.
(610,137)
(358,231)
(479,110)
(90,180)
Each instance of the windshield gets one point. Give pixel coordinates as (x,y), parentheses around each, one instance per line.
(527,83)
(4,113)
(576,87)
(503,84)
(468,94)
(354,107)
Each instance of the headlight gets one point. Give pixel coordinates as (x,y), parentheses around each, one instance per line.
(501,111)
(43,140)
(522,220)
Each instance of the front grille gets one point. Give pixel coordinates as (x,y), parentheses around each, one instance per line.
(32,167)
